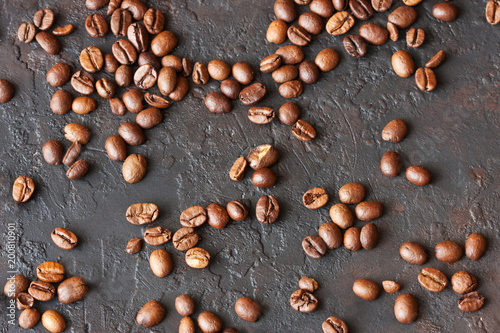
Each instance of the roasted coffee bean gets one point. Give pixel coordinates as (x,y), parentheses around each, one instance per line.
(393,31)
(355,46)
(218,70)
(448,251)
(475,246)
(369,236)
(114,5)
(334,325)
(156,101)
(270,63)
(187,67)
(303,131)
(123,76)
(180,90)
(157,236)
(285,73)
(314,246)
(463,282)
(261,115)
(366,289)
(352,193)
(218,103)
(390,164)
(230,88)
(185,238)
(436,60)
(24,301)
(381,5)
(243,73)
(154,20)
(42,291)
(308,72)
(391,286)
(132,99)
(264,178)
(78,169)
(373,33)
(116,148)
(323,8)
(200,73)
(16,285)
(197,257)
(134,245)
(352,240)
(315,198)
(209,322)
(124,51)
(145,77)
(361,9)
(83,82)
(425,79)
(6,91)
(290,54)
(96,26)
(187,325)
(53,321)
(120,20)
(61,102)
(132,134)
(471,302)
(23,189)
(368,210)
(406,308)
(248,309)
(163,43)
(53,152)
(298,35)
(72,154)
(142,213)
(64,30)
(327,60)
(413,253)
(83,105)
(149,118)
(289,113)
(262,156)
(340,5)
(303,301)
(146,58)
(48,42)
(91,59)
(291,89)
(72,290)
(217,216)
(412,2)
(252,94)
(184,304)
(415,37)
(308,284)
(492,12)
(167,79)
(237,210)
(44,18)
(302,2)
(237,171)
(58,75)
(395,131)
(402,17)
(285,10)
(331,235)
(193,217)
(105,88)
(160,262)
(231,330)
(96,4)
(432,279)
(138,35)
(26,32)
(134,168)
(76,132)
(29,318)
(277,32)
(418,175)
(151,314)
(339,23)
(267,209)
(445,11)
(312,23)
(64,238)
(402,63)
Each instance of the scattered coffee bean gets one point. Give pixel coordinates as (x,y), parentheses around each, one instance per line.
(58,75)
(200,73)
(123,76)
(285,73)
(15,285)
(185,238)
(217,216)
(314,246)
(391,286)
(72,290)
(26,32)
(120,21)
(415,37)
(29,318)
(298,35)
(406,307)
(340,5)
(83,105)
(445,11)
(323,8)
(381,5)
(267,209)
(61,102)
(83,82)
(492,12)
(248,309)
(116,148)
(334,325)
(42,291)
(243,73)
(193,217)
(413,253)
(237,210)
(402,17)
(366,289)
(72,154)
(50,271)
(184,304)
(91,59)
(355,46)
(262,156)
(167,79)
(154,20)
(471,302)
(342,216)
(393,31)
(308,72)
(425,79)
(368,210)
(142,213)
(64,238)
(23,189)
(327,60)
(187,325)
(24,301)
(436,60)
(311,22)
(352,193)
(260,115)
(149,118)
(96,26)
(390,164)
(289,113)
(308,284)
(95,4)
(395,131)
(160,262)
(151,314)
(285,10)
(475,246)
(418,175)
(44,18)
(146,58)
(138,35)
(197,257)
(252,94)
(303,301)
(134,245)
(276,32)
(180,90)
(463,282)
(237,171)
(373,33)
(48,42)
(315,198)
(230,88)
(331,235)
(218,70)
(132,134)
(339,23)
(369,236)
(209,322)
(402,63)
(290,54)
(157,236)
(156,101)
(105,88)
(432,279)
(448,251)
(218,103)
(53,152)
(187,67)
(53,321)
(64,30)
(302,130)
(361,9)
(6,91)
(134,168)
(264,178)
(124,51)
(352,240)
(145,77)
(133,100)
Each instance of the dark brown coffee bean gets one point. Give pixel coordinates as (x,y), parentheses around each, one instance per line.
(15,285)
(471,302)
(323,8)
(184,304)
(248,309)
(366,289)
(83,82)
(413,253)
(418,175)
(134,168)
(154,20)
(197,258)
(276,32)
(124,51)
(308,72)
(314,246)
(200,73)
(289,113)
(78,169)
(48,42)
(390,164)
(243,73)
(105,88)
(6,91)
(123,76)
(42,291)
(64,238)
(163,43)
(72,290)
(146,58)
(53,152)
(425,79)
(138,35)
(393,31)
(157,236)
(339,23)
(141,213)
(352,193)
(463,282)
(298,35)
(160,262)
(96,26)
(24,301)
(193,217)
(218,70)
(341,215)
(134,245)
(96,4)
(26,32)
(308,284)
(237,210)
(406,308)
(116,148)
(436,60)
(270,63)
(303,301)
(217,216)
(149,118)
(156,101)
(261,115)
(44,18)
(361,9)
(76,132)
(267,209)
(432,279)
(132,134)
(117,106)
(285,73)
(303,131)
(352,239)
(381,5)
(315,198)
(368,210)
(327,60)
(264,178)
(492,12)
(475,246)
(334,325)
(231,89)
(448,251)
(120,20)
(395,131)
(53,321)
(185,238)
(285,10)
(29,318)
(290,54)
(311,22)
(72,154)
(136,7)
(391,286)
(373,33)
(415,37)
(58,75)
(331,235)
(369,236)
(237,171)
(151,314)
(61,102)
(113,5)
(83,105)
(218,103)
(167,79)
(209,322)
(444,11)
(187,67)
(252,94)
(91,59)
(340,5)
(402,17)
(132,99)
(262,156)
(291,89)
(355,46)
(181,89)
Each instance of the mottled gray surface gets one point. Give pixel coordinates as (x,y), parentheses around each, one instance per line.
(454,131)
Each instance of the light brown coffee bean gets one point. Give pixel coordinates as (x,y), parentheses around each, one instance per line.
(342,216)
(105,88)
(185,238)
(15,285)
(157,101)
(308,284)
(437,59)
(53,321)
(331,235)
(402,17)
(123,76)
(425,79)
(418,175)
(315,198)
(406,307)
(193,217)
(291,89)
(42,291)
(154,20)
(475,246)
(432,279)
(352,193)
(132,134)
(163,43)
(29,318)
(149,118)
(132,99)
(59,74)
(197,257)
(492,12)
(44,18)
(374,33)
(146,76)
(72,290)
(24,301)
(445,11)
(368,210)
(261,115)
(366,289)
(218,103)
(334,325)
(83,105)
(50,271)
(248,309)
(390,164)
(209,322)
(237,171)
(327,60)
(415,37)
(323,8)
(64,238)
(53,152)
(134,168)
(61,102)
(83,82)
(276,32)
(352,239)
(311,22)
(463,282)
(200,73)
(180,90)
(395,131)
(217,216)
(339,23)
(26,32)
(91,59)
(393,31)
(402,63)
(157,236)
(142,213)
(413,253)
(134,245)
(218,70)
(23,189)
(116,148)
(48,42)
(369,236)
(184,304)
(285,10)
(290,54)
(160,263)
(471,302)
(237,210)
(448,251)
(151,314)
(167,79)
(391,286)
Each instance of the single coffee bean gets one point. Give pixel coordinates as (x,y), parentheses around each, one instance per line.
(91,59)
(475,246)
(83,105)
(64,238)
(412,2)
(436,60)
(78,169)
(390,164)
(237,171)
(197,257)
(277,32)
(124,51)
(137,7)
(311,22)
(132,99)
(237,210)
(448,251)
(289,113)
(72,154)
(145,77)
(154,20)
(381,5)
(72,290)
(160,262)
(58,75)
(187,67)
(432,279)
(492,12)
(369,236)
(64,30)
(425,79)
(217,216)
(96,26)
(83,82)
(193,217)
(29,318)
(76,132)
(53,321)
(267,209)
(352,193)
(156,101)
(415,37)
(331,235)
(393,31)
(368,210)
(15,285)
(355,46)
(340,5)
(366,289)
(48,42)
(303,301)
(42,291)
(230,88)
(303,131)
(134,245)
(26,32)
(308,284)
(61,102)
(163,43)
(105,88)
(298,35)
(352,240)
(151,314)
(270,63)
(418,175)
(134,168)
(285,73)
(132,133)
(24,301)
(391,286)
(123,76)
(218,103)
(445,11)
(138,35)
(361,9)
(463,282)
(185,238)
(262,156)
(285,10)
(120,21)
(323,8)
(373,33)
(6,91)
(116,148)
(243,72)
(339,23)
(96,4)
(290,54)
(261,115)
(141,213)
(413,253)
(314,246)
(23,189)
(402,63)
(308,72)
(146,58)
(402,17)
(252,94)
(471,302)
(395,131)
(209,322)
(44,18)
(334,325)
(248,309)
(53,152)
(327,60)
(184,304)
(315,198)
(264,178)
(157,236)
(113,5)
(149,118)
(187,325)
(218,70)
(406,308)
(291,89)
(200,73)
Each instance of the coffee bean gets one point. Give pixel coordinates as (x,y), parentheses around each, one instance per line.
(291,89)
(187,325)
(323,8)
(157,236)
(298,35)
(156,101)
(209,322)
(262,156)
(352,240)
(390,164)
(334,325)
(187,67)
(44,18)
(436,60)
(471,302)
(58,75)
(492,12)
(72,290)
(237,171)
(432,279)
(315,198)
(290,54)
(285,73)
(425,79)
(277,32)
(141,213)
(264,178)
(163,43)
(368,210)
(361,9)
(76,132)
(184,304)
(303,131)
(303,301)
(131,133)
(124,51)
(134,245)
(132,99)
(381,5)
(91,59)
(167,79)
(402,17)
(355,46)
(134,168)
(96,4)
(391,286)
(96,26)
(285,10)
(445,11)
(149,118)
(123,76)
(418,175)
(16,285)
(53,152)
(475,246)
(181,89)
(218,103)
(248,309)
(137,34)
(200,73)
(252,94)
(327,60)
(231,329)
(312,23)
(331,235)
(352,193)
(412,2)
(393,31)
(61,102)
(197,257)
(369,236)
(24,301)
(83,105)
(120,21)
(114,5)
(289,113)
(64,238)
(78,169)
(373,33)
(6,91)
(308,72)
(53,321)
(267,209)
(339,23)
(105,88)
(463,282)
(145,77)
(72,154)
(151,314)
(116,148)
(42,291)
(154,20)
(29,318)
(402,63)
(270,63)
(366,289)
(237,210)
(23,189)
(308,284)
(415,37)
(230,88)
(217,216)
(193,217)
(146,58)
(160,262)
(395,131)
(64,30)
(340,5)
(218,70)
(48,42)
(185,238)
(243,72)
(406,308)
(26,32)
(83,82)
(261,115)
(413,253)
(314,246)
(448,251)
(136,7)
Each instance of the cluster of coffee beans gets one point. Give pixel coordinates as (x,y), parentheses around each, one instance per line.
(303,300)
(25,293)
(260,159)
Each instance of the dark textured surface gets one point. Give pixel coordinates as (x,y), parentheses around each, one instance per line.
(454,131)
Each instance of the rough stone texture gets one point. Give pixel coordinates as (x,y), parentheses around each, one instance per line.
(454,131)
